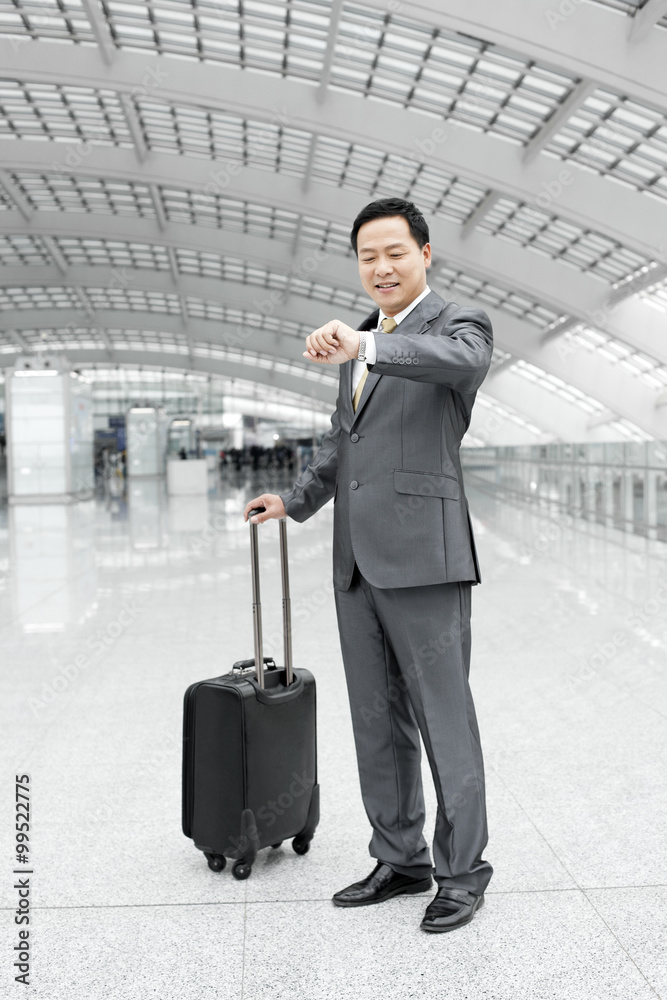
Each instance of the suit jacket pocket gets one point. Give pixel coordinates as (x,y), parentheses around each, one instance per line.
(427,484)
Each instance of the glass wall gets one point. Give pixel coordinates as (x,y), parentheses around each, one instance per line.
(617,484)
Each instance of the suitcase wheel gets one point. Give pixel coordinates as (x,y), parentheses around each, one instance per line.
(274,846)
(216,862)
(240,870)
(301,846)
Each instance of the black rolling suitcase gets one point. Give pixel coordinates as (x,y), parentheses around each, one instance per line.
(249,749)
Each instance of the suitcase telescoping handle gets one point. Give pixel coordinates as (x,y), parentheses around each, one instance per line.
(257,604)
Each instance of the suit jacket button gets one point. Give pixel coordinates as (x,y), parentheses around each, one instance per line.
(354,437)
(401,361)
(354,484)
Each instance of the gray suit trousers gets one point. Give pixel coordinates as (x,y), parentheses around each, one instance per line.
(406,653)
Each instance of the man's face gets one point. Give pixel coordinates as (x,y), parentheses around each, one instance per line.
(392,268)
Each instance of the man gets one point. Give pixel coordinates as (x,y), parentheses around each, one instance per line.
(404,561)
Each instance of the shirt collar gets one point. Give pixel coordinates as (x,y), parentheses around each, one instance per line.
(404,312)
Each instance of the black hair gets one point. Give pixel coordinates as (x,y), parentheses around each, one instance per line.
(387,207)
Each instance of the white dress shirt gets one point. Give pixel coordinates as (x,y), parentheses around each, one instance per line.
(371,350)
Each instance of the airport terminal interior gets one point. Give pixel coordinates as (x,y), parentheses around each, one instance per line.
(178,182)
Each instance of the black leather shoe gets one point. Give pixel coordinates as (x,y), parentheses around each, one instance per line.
(450,909)
(382,883)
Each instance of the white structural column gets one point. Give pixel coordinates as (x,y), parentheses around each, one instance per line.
(49,428)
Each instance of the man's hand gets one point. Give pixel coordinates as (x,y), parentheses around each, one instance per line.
(274,507)
(333,344)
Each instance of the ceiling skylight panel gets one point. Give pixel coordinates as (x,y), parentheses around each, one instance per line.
(449,82)
(414,43)
(22,250)
(389,62)
(266,58)
(642,362)
(637,117)
(133,33)
(473,112)
(655,155)
(616,139)
(600,158)
(380,83)
(533,109)
(513,127)
(175,41)
(635,170)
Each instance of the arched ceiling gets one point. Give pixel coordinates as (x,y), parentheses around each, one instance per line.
(167,179)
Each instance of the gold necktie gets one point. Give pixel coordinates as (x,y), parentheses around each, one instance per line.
(388,325)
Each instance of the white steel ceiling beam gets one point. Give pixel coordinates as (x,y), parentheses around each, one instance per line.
(100,27)
(556,186)
(609,383)
(561,287)
(158,205)
(134,127)
(482,210)
(334,21)
(245,369)
(550,281)
(581,38)
(14,194)
(55,253)
(235,294)
(20,341)
(251,338)
(646,18)
(572,103)
(555,416)
(545,31)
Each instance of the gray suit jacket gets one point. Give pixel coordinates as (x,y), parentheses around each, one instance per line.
(393,466)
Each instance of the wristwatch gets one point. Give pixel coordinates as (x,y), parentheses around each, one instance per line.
(361,355)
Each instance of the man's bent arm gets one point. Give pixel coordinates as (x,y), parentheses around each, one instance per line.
(457,354)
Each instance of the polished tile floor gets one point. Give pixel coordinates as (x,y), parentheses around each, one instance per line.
(110,609)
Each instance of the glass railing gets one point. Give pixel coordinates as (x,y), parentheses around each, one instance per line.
(617,484)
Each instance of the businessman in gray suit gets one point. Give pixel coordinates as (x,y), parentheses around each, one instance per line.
(404,562)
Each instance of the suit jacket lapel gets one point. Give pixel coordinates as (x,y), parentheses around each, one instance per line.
(416,322)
